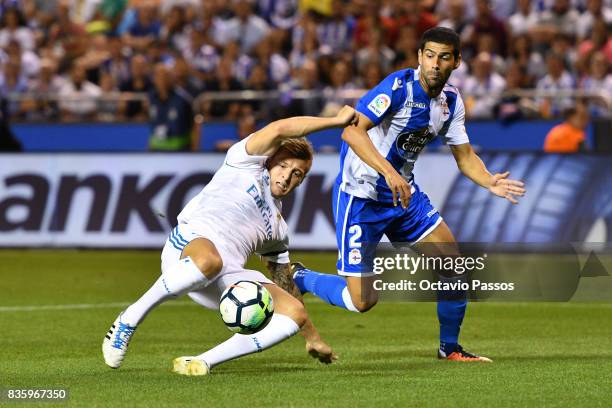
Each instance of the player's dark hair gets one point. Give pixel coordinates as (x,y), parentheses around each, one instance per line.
(442,35)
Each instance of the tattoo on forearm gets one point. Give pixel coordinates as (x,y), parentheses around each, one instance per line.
(281,275)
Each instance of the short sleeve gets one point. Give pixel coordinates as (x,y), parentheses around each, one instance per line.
(277,253)
(279,258)
(386,97)
(238,157)
(456,133)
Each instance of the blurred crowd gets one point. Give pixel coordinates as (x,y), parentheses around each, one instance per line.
(107,60)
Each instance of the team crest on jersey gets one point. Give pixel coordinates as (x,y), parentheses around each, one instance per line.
(354,257)
(445,110)
(380,104)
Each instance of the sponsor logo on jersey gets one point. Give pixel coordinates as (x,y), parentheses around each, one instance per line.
(379,104)
(264,209)
(354,257)
(412,104)
(411,143)
(253,191)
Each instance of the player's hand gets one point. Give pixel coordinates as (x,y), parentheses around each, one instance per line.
(321,351)
(501,186)
(399,188)
(347,116)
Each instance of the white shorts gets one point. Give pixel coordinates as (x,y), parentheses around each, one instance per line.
(232,271)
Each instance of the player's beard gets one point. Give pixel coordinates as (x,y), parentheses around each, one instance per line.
(437,82)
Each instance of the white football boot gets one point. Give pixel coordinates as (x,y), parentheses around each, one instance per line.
(190,365)
(116,342)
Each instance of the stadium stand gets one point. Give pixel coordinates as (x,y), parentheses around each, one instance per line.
(92,60)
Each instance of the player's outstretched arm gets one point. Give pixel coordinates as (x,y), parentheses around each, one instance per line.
(473,168)
(357,138)
(315,346)
(265,142)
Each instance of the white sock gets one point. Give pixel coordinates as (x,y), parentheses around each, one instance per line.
(280,328)
(181,278)
(348,302)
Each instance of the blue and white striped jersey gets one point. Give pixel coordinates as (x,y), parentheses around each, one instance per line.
(405,119)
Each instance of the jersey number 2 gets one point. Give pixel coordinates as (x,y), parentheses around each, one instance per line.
(355,231)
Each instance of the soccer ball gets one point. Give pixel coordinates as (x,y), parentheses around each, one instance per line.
(246,307)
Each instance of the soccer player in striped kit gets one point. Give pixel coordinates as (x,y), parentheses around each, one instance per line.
(397,119)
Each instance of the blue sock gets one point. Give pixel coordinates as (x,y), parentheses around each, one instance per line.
(450,316)
(451,310)
(330,288)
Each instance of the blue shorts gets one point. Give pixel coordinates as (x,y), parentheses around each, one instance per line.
(361,221)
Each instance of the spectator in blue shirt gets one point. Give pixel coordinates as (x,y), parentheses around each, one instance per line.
(171,116)
(145,29)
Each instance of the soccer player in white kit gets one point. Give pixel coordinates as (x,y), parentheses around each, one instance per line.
(238,213)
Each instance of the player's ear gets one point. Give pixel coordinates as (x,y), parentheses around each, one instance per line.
(457,62)
(420,56)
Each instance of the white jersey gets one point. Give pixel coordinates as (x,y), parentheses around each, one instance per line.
(236,210)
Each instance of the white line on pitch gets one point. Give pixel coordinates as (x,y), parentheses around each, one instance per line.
(78,306)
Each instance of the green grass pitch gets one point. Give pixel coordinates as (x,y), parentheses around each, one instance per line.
(546,354)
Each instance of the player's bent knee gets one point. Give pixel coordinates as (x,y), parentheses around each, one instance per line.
(209,264)
(205,256)
(363,300)
(363,307)
(363,296)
